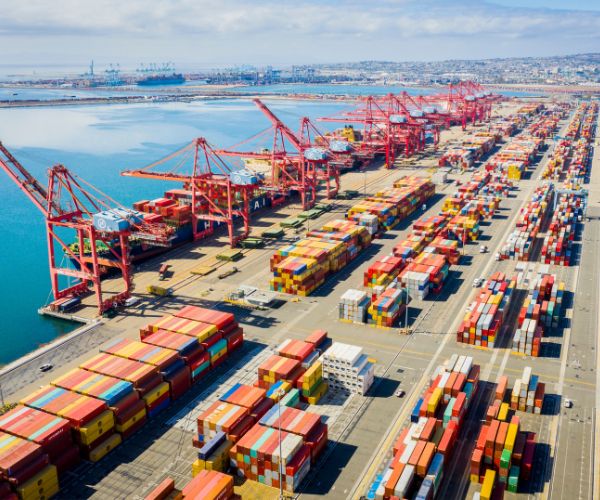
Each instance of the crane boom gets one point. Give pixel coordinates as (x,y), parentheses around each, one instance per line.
(279,124)
(28,184)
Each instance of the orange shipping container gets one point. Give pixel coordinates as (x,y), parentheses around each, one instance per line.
(416,454)
(425,459)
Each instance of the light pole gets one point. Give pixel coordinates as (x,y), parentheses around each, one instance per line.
(406,308)
(280,394)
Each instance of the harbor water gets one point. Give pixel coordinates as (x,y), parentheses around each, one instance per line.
(97,143)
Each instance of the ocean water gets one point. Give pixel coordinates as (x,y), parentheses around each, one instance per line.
(97,143)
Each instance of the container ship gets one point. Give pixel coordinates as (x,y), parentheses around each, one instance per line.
(174,209)
(173,79)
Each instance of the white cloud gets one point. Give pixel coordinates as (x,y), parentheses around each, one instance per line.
(263,26)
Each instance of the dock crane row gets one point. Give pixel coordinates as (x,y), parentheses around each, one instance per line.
(70,203)
(107,236)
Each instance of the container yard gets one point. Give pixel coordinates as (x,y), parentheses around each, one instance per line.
(425,337)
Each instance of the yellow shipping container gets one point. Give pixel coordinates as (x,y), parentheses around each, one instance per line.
(156,393)
(318,393)
(102,424)
(43,485)
(105,447)
(434,400)
(131,422)
(503,412)
(488,484)
(511,436)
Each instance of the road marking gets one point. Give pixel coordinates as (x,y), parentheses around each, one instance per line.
(555,423)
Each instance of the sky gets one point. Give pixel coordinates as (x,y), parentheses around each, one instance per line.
(219,33)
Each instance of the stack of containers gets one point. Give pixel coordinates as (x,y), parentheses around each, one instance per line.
(412,245)
(188,348)
(93,423)
(311,384)
(213,455)
(528,393)
(529,222)
(295,349)
(145,379)
(209,485)
(369,221)
(256,456)
(464,227)
(279,368)
(503,452)
(426,272)
(300,268)
(458,157)
(452,205)
(561,233)
(383,271)
(253,398)
(391,205)
(172,368)
(385,309)
(226,334)
(484,318)
(423,448)
(119,395)
(308,426)
(345,367)
(448,248)
(541,310)
(52,433)
(229,418)
(22,464)
(353,306)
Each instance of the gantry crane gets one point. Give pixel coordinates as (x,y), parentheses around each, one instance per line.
(69,202)
(295,164)
(219,194)
(387,129)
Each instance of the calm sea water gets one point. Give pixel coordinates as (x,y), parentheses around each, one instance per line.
(97,143)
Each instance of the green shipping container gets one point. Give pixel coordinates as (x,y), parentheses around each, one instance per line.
(513,479)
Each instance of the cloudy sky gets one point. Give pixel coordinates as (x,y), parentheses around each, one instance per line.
(209,33)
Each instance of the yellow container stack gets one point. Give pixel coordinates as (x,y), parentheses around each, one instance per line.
(41,486)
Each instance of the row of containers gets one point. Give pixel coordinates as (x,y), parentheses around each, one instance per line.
(421,262)
(557,247)
(241,431)
(516,156)
(302,267)
(566,163)
(89,411)
(539,311)
(502,459)
(424,449)
(519,153)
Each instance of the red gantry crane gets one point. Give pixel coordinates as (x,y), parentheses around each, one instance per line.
(219,194)
(295,164)
(102,231)
(387,130)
